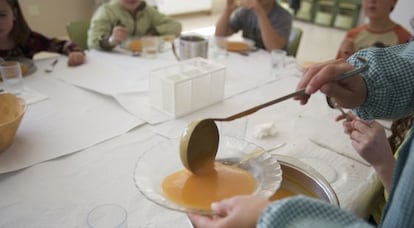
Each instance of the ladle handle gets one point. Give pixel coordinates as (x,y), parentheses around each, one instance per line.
(301,92)
(257,108)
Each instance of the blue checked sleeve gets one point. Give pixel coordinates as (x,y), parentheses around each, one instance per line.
(389,80)
(302,212)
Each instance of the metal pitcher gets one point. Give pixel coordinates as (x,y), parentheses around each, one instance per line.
(191,46)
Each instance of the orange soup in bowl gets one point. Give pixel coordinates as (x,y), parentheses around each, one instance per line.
(237,46)
(199,191)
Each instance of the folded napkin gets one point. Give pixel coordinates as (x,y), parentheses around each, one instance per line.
(31,96)
(265,130)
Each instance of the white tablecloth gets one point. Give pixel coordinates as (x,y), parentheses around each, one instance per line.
(60,192)
(69,120)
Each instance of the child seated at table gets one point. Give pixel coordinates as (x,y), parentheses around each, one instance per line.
(17,40)
(118,20)
(380,31)
(263,21)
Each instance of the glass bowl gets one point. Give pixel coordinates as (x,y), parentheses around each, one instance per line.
(164,159)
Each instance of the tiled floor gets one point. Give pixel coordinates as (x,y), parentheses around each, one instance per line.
(318,43)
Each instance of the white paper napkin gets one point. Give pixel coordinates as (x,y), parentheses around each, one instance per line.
(32,96)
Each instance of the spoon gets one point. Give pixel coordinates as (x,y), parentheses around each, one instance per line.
(52,65)
(200,140)
(332,104)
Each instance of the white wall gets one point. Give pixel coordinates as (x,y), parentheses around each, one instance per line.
(403,13)
(218,6)
(49,17)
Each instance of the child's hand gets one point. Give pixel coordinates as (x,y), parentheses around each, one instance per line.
(348,123)
(76,58)
(346,49)
(119,34)
(238,211)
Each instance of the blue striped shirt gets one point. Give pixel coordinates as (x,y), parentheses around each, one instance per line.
(390,83)
(246,21)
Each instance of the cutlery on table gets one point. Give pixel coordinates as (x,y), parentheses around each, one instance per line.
(52,66)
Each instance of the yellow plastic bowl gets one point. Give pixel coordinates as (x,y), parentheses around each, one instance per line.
(12,110)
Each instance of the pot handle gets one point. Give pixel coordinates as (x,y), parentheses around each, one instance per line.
(174,49)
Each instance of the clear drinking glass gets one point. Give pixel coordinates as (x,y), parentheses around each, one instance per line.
(150,46)
(107,216)
(277,61)
(219,46)
(11,74)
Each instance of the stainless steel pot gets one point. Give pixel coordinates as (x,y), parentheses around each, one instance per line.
(300,178)
(191,46)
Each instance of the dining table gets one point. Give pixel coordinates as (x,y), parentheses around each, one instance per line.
(85,128)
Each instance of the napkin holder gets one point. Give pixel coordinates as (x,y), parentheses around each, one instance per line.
(187,86)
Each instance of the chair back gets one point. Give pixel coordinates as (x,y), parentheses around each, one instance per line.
(78,33)
(294,41)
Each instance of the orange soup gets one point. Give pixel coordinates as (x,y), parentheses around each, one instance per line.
(237,46)
(199,191)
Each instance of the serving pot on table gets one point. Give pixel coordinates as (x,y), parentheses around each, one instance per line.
(300,178)
(191,46)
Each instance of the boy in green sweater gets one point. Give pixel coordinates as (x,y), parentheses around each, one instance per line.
(116,21)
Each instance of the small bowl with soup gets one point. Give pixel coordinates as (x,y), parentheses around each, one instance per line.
(240,45)
(161,177)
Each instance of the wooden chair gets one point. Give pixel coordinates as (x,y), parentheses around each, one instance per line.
(78,33)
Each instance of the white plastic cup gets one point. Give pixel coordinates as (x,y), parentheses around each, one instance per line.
(277,62)
(107,216)
(219,46)
(11,74)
